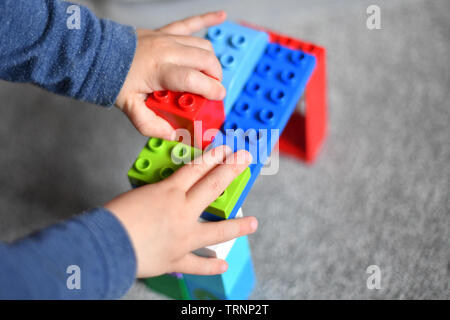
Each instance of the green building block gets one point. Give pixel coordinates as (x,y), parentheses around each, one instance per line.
(224,204)
(170,285)
(160,158)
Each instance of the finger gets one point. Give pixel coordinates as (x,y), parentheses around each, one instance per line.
(198,59)
(148,123)
(210,233)
(211,186)
(193,264)
(194,42)
(184,79)
(196,23)
(189,174)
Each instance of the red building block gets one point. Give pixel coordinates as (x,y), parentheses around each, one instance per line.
(306,129)
(188,111)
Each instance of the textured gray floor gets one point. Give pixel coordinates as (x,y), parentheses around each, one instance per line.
(378,194)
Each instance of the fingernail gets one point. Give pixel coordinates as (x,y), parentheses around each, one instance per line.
(254,225)
(173,135)
(228,150)
(248,157)
(224,267)
(223,93)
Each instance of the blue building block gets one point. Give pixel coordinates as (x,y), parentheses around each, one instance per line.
(239,49)
(236,283)
(266,103)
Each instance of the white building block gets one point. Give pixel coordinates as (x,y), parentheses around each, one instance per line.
(219,250)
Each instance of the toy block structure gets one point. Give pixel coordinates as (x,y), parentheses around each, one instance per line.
(306,129)
(276,94)
(160,158)
(238,48)
(188,111)
(235,284)
(264,107)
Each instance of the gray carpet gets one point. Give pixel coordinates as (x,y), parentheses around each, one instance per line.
(378,194)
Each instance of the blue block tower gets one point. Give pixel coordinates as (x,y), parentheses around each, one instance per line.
(263,108)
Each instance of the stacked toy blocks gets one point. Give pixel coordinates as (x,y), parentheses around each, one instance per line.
(264,107)
(264,82)
(306,129)
(160,158)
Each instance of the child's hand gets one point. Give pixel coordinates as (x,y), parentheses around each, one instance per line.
(170,59)
(162,218)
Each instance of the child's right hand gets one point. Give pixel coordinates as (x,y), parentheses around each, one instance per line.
(162,218)
(170,59)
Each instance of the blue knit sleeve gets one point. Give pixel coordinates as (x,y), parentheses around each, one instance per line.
(87,257)
(64,48)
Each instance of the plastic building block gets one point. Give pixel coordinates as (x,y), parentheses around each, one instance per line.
(171,285)
(239,49)
(245,282)
(306,130)
(188,111)
(236,283)
(267,102)
(219,250)
(224,204)
(160,158)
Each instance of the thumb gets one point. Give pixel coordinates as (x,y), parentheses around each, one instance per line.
(148,123)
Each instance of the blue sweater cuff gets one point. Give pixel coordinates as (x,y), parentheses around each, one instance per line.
(88,63)
(41,265)
(114,248)
(111,68)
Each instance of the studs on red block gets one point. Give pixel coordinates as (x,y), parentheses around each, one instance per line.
(188,111)
(186,102)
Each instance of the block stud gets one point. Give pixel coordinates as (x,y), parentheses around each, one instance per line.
(181,154)
(297,57)
(162,96)
(288,77)
(266,116)
(229,125)
(242,108)
(186,102)
(155,144)
(253,88)
(264,69)
(227,60)
(215,33)
(143,164)
(274,51)
(277,96)
(238,41)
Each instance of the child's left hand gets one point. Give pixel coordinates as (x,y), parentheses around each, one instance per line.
(170,59)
